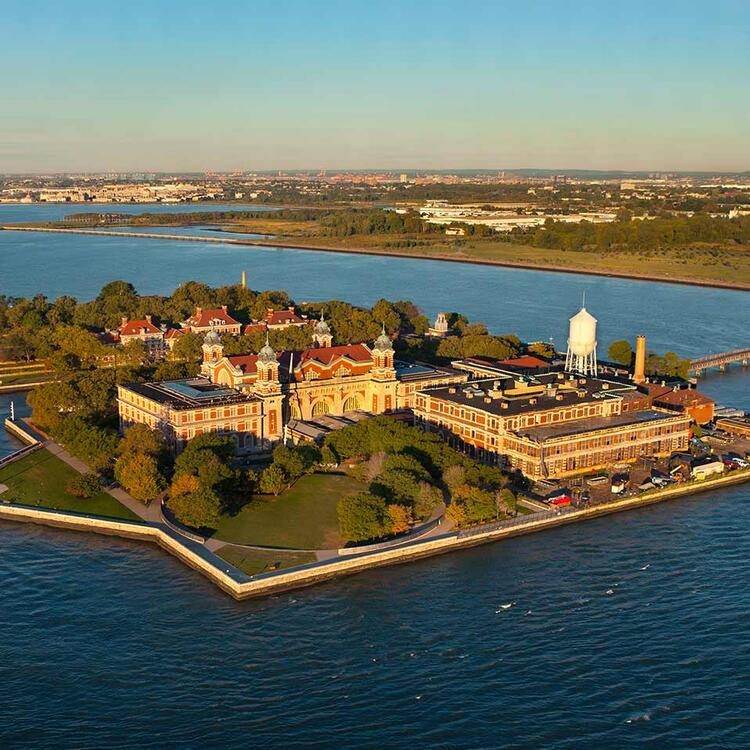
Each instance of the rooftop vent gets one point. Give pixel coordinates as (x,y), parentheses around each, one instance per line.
(451,390)
(559,397)
(504,405)
(487,400)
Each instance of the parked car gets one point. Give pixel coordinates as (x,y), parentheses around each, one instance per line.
(560,501)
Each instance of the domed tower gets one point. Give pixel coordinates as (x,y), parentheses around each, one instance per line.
(268,389)
(382,354)
(268,371)
(213,351)
(322,333)
(581,355)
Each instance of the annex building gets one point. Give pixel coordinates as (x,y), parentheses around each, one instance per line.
(553,424)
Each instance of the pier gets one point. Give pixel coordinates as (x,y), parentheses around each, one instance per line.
(741,356)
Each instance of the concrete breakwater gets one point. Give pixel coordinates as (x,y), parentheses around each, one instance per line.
(241,586)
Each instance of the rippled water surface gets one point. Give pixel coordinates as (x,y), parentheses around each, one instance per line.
(113,644)
(628,631)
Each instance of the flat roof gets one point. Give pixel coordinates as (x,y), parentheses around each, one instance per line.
(190,393)
(552,392)
(592,424)
(407,371)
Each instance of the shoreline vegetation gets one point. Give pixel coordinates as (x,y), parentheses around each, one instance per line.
(685,251)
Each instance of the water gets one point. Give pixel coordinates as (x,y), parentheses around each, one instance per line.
(535,305)
(115,644)
(8,443)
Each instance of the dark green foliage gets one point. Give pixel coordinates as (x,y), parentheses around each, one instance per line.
(199,509)
(83,486)
(93,445)
(363,517)
(621,352)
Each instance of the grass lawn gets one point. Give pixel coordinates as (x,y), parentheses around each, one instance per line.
(253,561)
(39,479)
(303,517)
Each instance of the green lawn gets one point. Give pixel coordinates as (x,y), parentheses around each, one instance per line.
(303,517)
(39,479)
(253,561)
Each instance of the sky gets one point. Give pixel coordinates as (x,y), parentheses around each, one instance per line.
(195,85)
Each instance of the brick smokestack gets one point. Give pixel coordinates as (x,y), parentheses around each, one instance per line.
(639,373)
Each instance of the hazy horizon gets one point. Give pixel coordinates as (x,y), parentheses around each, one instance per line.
(182,87)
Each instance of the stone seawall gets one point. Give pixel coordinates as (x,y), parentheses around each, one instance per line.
(246,587)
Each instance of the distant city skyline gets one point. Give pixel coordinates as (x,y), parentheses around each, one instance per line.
(185,87)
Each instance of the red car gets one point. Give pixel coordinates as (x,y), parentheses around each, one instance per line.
(560,501)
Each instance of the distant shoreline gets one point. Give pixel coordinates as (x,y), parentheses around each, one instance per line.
(683,281)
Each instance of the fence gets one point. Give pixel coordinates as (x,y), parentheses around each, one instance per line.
(520,520)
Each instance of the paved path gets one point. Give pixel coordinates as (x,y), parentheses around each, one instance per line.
(150,513)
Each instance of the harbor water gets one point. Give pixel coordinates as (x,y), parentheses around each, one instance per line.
(629,631)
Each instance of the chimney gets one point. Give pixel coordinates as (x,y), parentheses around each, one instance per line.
(639,373)
(224,308)
(148,318)
(198,311)
(124,320)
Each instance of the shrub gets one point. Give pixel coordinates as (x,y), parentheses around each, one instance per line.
(83,486)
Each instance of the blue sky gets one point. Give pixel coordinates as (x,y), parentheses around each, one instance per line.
(189,85)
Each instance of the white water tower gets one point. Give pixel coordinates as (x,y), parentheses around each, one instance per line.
(581,355)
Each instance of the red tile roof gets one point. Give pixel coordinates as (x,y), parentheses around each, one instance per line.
(137,327)
(283,317)
(527,361)
(214,316)
(328,354)
(325,356)
(247,363)
(173,333)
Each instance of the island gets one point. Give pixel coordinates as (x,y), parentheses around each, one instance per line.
(272,444)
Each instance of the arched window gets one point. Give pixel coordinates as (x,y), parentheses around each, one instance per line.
(296,414)
(320,408)
(352,403)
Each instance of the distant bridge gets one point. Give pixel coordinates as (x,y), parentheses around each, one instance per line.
(719,360)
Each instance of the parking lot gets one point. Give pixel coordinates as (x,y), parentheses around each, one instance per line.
(628,480)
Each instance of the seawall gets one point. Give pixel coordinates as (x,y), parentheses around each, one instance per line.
(241,586)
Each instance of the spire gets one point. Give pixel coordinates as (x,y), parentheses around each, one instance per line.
(267,354)
(383,342)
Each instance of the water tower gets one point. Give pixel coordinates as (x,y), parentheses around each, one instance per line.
(581,355)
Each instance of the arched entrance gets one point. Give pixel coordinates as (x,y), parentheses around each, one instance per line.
(320,408)
(352,403)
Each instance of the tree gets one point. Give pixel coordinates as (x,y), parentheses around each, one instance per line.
(188,348)
(273,481)
(427,500)
(199,509)
(507,501)
(83,485)
(183,484)
(400,518)
(140,438)
(139,475)
(621,352)
(470,505)
(454,476)
(200,449)
(362,517)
